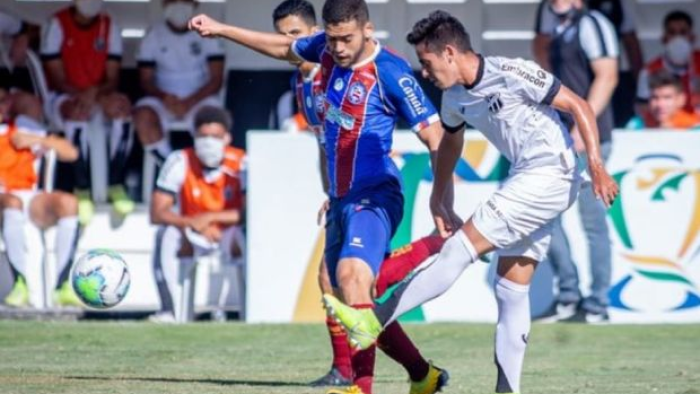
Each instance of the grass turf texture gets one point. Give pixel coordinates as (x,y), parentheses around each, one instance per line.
(99,357)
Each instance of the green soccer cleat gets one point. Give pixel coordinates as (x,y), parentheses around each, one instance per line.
(19,296)
(362,325)
(436,379)
(346,390)
(86,208)
(65,295)
(122,204)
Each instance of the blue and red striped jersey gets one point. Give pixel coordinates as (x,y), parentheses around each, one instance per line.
(362,106)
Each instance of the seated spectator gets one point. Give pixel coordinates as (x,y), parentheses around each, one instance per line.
(678,58)
(82,51)
(18,102)
(22,142)
(666,107)
(180,72)
(207,184)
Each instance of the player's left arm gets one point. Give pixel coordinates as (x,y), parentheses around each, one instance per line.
(229,217)
(65,151)
(565,100)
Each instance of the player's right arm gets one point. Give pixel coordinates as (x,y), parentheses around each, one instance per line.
(604,186)
(449,151)
(168,186)
(274,45)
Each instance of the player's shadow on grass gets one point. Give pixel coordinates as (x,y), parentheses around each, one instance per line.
(220,382)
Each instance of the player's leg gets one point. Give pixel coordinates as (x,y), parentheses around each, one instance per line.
(149,117)
(174,252)
(511,287)
(69,115)
(594,219)
(61,210)
(13,219)
(340,373)
(117,108)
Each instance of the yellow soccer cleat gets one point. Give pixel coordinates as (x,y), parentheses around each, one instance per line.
(346,390)
(436,379)
(121,202)
(86,208)
(65,295)
(361,325)
(19,296)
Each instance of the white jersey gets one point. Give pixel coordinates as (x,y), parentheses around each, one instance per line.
(510,103)
(181,60)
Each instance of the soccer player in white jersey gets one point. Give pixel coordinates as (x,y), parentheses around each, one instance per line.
(180,73)
(513,103)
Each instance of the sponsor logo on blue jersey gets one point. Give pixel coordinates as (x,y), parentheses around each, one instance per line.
(409,87)
(335,115)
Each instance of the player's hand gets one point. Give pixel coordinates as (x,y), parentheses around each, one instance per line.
(604,186)
(320,216)
(446,221)
(205,26)
(22,140)
(200,222)
(212,233)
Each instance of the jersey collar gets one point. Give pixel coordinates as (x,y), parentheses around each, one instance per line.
(370,59)
(479,73)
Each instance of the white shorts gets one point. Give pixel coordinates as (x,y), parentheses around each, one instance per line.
(167,119)
(26,196)
(517,218)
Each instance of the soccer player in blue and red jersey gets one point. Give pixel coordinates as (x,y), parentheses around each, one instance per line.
(366,89)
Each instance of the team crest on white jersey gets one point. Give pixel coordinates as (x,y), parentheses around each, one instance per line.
(338,85)
(357,93)
(495,103)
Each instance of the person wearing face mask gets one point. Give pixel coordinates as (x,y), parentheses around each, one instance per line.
(618,12)
(82,51)
(180,72)
(679,58)
(666,106)
(207,184)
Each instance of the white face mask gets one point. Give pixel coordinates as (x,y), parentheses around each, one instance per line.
(179,13)
(209,150)
(89,8)
(678,50)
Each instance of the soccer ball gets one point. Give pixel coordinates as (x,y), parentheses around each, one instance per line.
(100,278)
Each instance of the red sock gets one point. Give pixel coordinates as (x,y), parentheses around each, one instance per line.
(396,344)
(363,363)
(341,350)
(406,259)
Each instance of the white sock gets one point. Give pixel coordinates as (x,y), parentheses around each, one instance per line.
(13,233)
(512,332)
(160,149)
(66,242)
(430,281)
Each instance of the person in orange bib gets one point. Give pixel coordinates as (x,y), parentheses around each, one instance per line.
(207,183)
(667,106)
(22,144)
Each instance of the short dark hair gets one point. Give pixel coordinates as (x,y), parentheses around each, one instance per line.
(438,30)
(678,15)
(664,78)
(339,11)
(301,8)
(209,114)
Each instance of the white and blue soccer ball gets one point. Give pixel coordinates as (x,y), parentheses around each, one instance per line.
(100,278)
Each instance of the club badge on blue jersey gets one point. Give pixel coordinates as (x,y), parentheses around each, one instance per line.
(357,93)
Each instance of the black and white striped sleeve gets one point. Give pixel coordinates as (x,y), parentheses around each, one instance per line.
(597,37)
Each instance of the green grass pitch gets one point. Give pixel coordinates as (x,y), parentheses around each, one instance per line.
(134,357)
